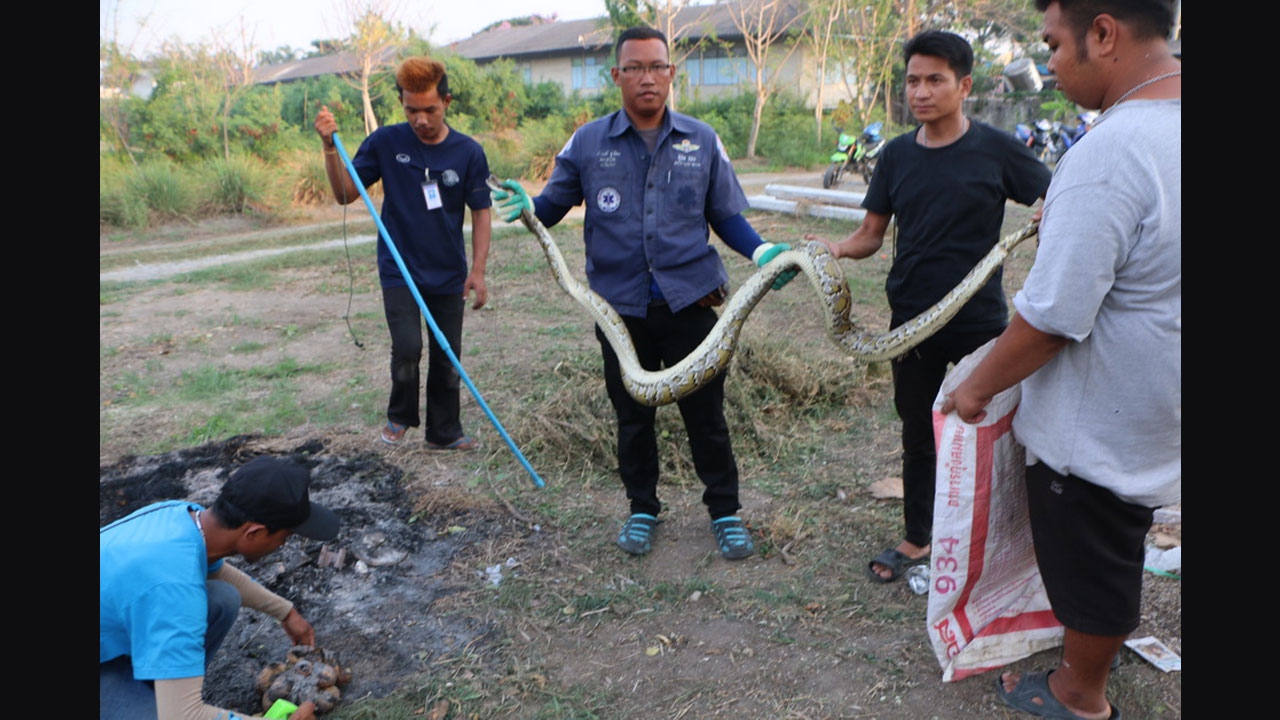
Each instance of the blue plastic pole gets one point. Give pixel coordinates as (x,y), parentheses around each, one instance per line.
(422,305)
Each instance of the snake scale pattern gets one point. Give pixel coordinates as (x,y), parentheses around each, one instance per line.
(712,357)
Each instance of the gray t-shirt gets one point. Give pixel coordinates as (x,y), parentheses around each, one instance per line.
(1108,275)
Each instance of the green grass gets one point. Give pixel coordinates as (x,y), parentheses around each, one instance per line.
(248,347)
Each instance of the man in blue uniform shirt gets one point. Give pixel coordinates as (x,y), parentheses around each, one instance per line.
(655,182)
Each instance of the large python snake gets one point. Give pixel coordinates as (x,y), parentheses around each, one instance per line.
(712,356)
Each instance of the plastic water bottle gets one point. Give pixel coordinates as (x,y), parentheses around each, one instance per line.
(918,579)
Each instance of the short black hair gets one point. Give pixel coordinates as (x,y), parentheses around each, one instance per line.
(946,45)
(640,32)
(1148,18)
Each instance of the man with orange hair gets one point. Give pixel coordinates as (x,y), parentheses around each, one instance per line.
(430,173)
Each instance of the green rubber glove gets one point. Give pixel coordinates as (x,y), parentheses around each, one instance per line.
(769,251)
(514,202)
(281,710)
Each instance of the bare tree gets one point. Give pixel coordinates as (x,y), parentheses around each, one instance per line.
(234,61)
(763,25)
(118,69)
(825,20)
(864,44)
(687,35)
(373,43)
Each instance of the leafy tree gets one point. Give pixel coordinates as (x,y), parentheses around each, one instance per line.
(494,96)
(627,13)
(181,119)
(302,99)
(118,71)
(117,106)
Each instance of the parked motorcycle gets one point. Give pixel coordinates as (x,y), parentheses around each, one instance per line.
(1071,136)
(1043,140)
(858,154)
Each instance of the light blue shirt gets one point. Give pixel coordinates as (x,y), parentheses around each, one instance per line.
(153,604)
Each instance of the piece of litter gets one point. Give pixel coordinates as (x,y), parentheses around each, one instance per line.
(1156,653)
(494,573)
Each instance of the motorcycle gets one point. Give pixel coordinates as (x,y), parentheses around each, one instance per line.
(1072,136)
(1043,139)
(855,153)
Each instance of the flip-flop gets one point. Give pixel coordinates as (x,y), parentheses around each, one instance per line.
(463,443)
(1034,686)
(895,561)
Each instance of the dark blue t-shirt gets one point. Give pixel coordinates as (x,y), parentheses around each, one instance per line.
(430,242)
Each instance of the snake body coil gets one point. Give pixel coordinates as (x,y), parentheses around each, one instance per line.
(712,356)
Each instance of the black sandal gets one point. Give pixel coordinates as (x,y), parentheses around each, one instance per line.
(895,561)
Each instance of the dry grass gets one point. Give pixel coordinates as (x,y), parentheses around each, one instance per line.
(584,630)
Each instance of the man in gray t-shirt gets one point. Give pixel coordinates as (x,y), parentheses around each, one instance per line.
(1096,344)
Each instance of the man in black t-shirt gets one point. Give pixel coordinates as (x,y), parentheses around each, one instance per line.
(945,184)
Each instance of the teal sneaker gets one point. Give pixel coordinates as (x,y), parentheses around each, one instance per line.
(636,536)
(733,538)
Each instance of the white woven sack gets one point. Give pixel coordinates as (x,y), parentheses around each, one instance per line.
(987,605)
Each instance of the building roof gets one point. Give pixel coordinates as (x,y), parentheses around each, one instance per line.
(342,63)
(595,35)
(522,42)
(533,40)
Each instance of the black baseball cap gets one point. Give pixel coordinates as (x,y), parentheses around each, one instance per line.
(274,492)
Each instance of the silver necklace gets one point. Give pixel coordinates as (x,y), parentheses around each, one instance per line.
(1143,84)
(200,527)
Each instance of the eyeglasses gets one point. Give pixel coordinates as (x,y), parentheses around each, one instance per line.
(640,70)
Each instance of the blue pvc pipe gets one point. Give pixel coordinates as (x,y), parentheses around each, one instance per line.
(422,305)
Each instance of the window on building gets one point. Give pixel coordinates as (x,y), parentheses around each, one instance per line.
(590,71)
(717,66)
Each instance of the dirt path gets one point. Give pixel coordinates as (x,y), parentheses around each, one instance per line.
(752,183)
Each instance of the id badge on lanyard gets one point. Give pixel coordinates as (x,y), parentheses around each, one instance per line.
(431,190)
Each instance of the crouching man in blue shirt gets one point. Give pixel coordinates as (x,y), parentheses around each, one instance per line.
(167,598)
(655,182)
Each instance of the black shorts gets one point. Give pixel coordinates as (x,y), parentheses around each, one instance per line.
(1090,546)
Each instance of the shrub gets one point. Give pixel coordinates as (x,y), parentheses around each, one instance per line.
(542,141)
(787,140)
(507,159)
(117,207)
(235,186)
(165,188)
(304,172)
(118,204)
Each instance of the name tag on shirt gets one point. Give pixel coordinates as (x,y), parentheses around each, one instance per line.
(431,191)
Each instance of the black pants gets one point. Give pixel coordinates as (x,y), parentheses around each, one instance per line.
(405,321)
(917,377)
(663,339)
